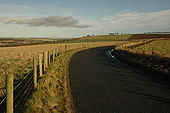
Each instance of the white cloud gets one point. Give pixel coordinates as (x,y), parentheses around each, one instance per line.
(135,20)
(56,21)
(70,27)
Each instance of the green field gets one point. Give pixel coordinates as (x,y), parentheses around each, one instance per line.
(102,38)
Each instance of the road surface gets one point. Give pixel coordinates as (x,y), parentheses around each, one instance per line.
(101,84)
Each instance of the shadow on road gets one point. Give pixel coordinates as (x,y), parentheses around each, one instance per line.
(102,84)
(148,96)
(130,61)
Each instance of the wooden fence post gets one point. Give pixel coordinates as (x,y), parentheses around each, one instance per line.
(65,48)
(40,65)
(59,49)
(84,45)
(152,52)
(9,95)
(49,57)
(56,52)
(53,53)
(44,66)
(45,60)
(35,72)
(143,51)
(70,47)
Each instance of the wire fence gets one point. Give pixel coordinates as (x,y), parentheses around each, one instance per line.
(21,92)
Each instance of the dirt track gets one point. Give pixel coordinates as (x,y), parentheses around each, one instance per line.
(101,84)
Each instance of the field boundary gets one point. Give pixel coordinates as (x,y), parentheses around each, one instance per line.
(122,54)
(38,71)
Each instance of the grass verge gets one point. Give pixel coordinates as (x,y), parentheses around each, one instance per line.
(160,47)
(53,94)
(144,57)
(18,60)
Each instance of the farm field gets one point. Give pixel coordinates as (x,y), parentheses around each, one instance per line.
(118,37)
(80,56)
(18,60)
(102,38)
(148,36)
(158,47)
(11,42)
(155,55)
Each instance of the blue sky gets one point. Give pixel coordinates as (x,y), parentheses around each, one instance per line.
(75,18)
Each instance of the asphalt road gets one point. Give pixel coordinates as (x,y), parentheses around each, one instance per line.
(101,84)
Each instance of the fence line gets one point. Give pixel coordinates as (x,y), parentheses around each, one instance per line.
(17,96)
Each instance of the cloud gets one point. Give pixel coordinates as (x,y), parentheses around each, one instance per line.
(56,21)
(130,22)
(135,20)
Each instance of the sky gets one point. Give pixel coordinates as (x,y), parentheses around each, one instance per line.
(76,18)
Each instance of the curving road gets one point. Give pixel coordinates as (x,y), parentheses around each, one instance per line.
(101,84)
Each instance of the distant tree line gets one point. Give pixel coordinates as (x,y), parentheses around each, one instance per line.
(108,34)
(117,33)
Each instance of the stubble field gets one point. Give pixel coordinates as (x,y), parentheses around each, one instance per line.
(19,60)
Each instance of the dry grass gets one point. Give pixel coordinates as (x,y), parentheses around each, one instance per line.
(154,55)
(158,47)
(53,94)
(18,60)
(49,96)
(24,52)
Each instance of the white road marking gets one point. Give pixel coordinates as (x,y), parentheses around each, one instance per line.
(111,54)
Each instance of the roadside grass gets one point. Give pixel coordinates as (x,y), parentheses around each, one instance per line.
(19,60)
(158,47)
(154,55)
(102,38)
(53,94)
